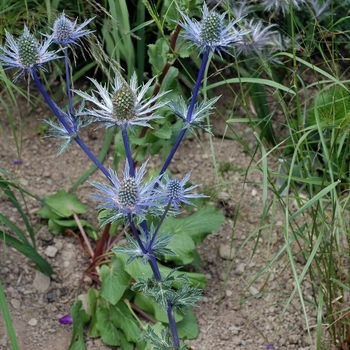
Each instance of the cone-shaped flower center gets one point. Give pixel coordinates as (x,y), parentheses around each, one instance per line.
(211,29)
(62,29)
(128,193)
(174,189)
(27,50)
(124,104)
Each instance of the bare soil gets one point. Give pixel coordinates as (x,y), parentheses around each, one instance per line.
(233,314)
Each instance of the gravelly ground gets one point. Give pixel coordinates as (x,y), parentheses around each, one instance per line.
(226,322)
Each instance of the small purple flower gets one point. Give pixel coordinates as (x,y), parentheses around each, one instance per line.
(210,33)
(26,53)
(67,319)
(65,31)
(17,162)
(174,191)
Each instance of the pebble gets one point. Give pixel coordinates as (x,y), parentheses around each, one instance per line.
(228,293)
(45,234)
(226,252)
(51,251)
(239,269)
(41,282)
(253,290)
(33,322)
(15,303)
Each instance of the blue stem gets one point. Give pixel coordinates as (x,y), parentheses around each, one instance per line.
(136,234)
(128,151)
(173,328)
(158,226)
(69,93)
(77,139)
(189,112)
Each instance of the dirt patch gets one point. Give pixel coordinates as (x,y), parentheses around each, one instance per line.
(233,314)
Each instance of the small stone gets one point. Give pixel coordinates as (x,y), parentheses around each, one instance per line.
(84,300)
(15,303)
(45,234)
(226,252)
(33,322)
(228,293)
(239,269)
(41,282)
(51,251)
(253,290)
(59,245)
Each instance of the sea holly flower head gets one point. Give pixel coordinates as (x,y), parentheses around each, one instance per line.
(126,106)
(210,33)
(175,192)
(281,5)
(257,39)
(200,112)
(66,32)
(26,53)
(75,122)
(129,195)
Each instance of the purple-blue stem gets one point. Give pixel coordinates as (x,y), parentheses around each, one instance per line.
(158,226)
(189,112)
(77,139)
(69,93)
(173,329)
(128,151)
(136,234)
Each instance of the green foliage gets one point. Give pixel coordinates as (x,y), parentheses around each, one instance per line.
(20,243)
(80,318)
(61,206)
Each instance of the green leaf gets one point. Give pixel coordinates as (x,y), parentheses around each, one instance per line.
(184,246)
(137,269)
(56,226)
(110,334)
(188,327)
(46,213)
(124,320)
(197,226)
(157,55)
(93,296)
(80,318)
(64,204)
(114,281)
(28,251)
(164,132)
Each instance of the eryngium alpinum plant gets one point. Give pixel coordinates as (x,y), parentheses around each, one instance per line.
(125,105)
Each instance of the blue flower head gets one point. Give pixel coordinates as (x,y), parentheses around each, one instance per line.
(26,53)
(210,33)
(126,106)
(66,32)
(174,191)
(127,196)
(281,5)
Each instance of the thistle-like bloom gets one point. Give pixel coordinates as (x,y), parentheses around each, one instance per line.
(256,41)
(127,196)
(210,33)
(76,123)
(126,106)
(200,112)
(319,10)
(66,32)
(175,191)
(281,5)
(242,9)
(26,53)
